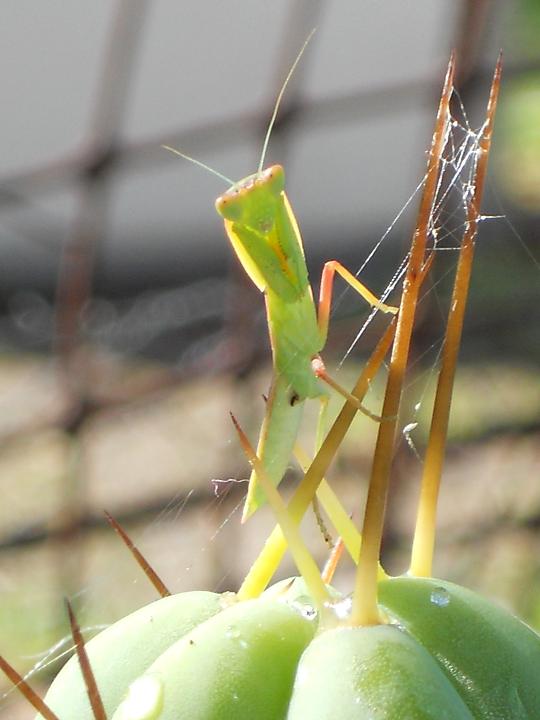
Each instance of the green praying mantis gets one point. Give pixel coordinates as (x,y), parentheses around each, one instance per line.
(264,234)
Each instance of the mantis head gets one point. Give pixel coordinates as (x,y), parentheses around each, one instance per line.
(252,201)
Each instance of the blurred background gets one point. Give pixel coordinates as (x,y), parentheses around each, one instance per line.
(128,330)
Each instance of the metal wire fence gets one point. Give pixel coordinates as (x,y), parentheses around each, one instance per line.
(86,369)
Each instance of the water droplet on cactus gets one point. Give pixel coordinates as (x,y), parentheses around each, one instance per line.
(399,626)
(305,608)
(232,632)
(227,599)
(440,597)
(342,608)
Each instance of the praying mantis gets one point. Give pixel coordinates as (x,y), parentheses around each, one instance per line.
(263,231)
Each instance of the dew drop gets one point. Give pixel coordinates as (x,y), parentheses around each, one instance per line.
(440,597)
(305,609)
(342,608)
(232,632)
(227,599)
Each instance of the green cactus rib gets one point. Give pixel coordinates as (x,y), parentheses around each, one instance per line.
(372,673)
(491,657)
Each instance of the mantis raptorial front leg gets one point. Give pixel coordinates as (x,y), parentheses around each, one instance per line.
(321,430)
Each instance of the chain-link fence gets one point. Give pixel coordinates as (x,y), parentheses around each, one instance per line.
(128,335)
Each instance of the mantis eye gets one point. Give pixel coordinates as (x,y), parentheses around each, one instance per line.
(229,205)
(274,179)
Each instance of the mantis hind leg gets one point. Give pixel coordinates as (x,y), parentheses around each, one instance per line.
(319,437)
(320,371)
(325,294)
(323,317)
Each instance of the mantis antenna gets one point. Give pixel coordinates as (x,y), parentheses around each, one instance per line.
(268,131)
(278,101)
(200,164)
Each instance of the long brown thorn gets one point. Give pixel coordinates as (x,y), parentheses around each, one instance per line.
(424,536)
(143,563)
(302,557)
(365,610)
(94,697)
(30,694)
